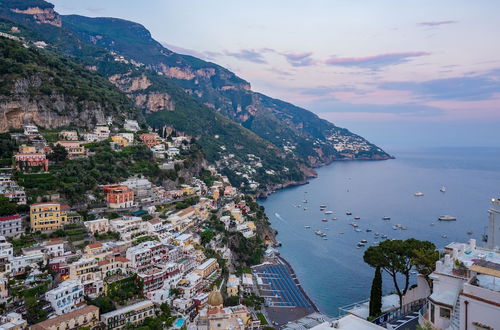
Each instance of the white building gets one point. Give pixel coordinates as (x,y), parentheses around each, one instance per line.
(30,130)
(6,256)
(145,255)
(129,227)
(466,289)
(55,247)
(131,125)
(65,297)
(97,226)
(19,263)
(11,225)
(494,225)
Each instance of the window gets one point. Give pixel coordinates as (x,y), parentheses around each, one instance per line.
(444,313)
(433,310)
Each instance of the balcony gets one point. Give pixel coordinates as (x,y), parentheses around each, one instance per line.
(483,286)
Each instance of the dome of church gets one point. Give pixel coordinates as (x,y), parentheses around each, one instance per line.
(215,298)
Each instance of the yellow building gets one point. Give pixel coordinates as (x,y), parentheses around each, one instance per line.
(24,149)
(207,268)
(48,216)
(118,139)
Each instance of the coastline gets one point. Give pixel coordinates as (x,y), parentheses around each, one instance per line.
(297,282)
(282,260)
(311,174)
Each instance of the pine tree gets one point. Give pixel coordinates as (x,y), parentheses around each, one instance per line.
(376,294)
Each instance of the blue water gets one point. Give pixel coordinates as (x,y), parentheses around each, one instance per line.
(332,271)
(179,322)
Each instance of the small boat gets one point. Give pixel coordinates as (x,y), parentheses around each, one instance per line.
(364,241)
(395,227)
(322,206)
(418,194)
(442,189)
(324,238)
(341,233)
(403,228)
(432,224)
(307,227)
(319,233)
(376,234)
(447,218)
(357,218)
(368,230)
(348,213)
(384,236)
(304,201)
(354,225)
(334,218)
(327,228)
(328,212)
(386,218)
(444,236)
(357,230)
(469,233)
(360,244)
(305,208)
(324,220)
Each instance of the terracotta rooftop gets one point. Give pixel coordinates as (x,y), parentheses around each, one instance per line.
(122,259)
(94,245)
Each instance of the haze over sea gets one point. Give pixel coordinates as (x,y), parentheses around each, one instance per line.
(332,271)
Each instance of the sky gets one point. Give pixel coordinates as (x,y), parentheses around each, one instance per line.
(400,73)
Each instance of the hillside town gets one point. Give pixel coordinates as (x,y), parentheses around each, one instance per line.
(198,254)
(147,253)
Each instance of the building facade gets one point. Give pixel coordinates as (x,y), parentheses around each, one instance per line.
(11,225)
(47,216)
(66,297)
(133,314)
(119,196)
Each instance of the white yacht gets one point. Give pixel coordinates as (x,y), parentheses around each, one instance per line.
(442,189)
(447,218)
(418,194)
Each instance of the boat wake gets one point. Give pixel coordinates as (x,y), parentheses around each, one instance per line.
(279,217)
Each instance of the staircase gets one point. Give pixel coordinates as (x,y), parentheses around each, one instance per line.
(455,316)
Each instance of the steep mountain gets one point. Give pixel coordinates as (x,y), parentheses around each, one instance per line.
(296,131)
(259,142)
(41,87)
(63,89)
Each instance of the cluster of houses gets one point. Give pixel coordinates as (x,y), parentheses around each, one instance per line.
(34,149)
(157,249)
(160,254)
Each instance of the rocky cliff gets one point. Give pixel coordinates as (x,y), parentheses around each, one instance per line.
(39,87)
(296,131)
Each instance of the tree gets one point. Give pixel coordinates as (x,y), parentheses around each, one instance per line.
(397,257)
(58,154)
(34,311)
(424,260)
(6,206)
(376,294)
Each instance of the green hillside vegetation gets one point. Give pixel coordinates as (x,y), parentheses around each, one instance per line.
(278,122)
(57,76)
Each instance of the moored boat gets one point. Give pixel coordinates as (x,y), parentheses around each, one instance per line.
(386,218)
(447,218)
(418,194)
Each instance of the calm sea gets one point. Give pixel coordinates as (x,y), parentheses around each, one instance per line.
(332,271)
